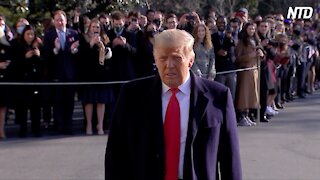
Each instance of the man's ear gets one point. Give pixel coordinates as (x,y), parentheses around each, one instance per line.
(191,60)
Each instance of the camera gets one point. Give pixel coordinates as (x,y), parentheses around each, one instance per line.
(190,17)
(228,29)
(134,20)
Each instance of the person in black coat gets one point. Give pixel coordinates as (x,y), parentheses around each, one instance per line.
(145,60)
(92,56)
(224,48)
(28,67)
(204,137)
(5,61)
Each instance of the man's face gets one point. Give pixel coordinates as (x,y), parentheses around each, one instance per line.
(172,23)
(158,19)
(234,26)
(221,23)
(173,65)
(59,21)
(150,16)
(118,23)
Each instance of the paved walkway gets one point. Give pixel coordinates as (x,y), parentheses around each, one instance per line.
(287,148)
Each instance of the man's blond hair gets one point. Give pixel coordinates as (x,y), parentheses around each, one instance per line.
(175,38)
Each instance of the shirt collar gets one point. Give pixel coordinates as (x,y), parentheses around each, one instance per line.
(184,87)
(63,30)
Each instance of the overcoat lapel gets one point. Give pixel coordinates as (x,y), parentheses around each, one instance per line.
(154,118)
(198,104)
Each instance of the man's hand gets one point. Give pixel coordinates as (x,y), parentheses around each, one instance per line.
(5,64)
(74,45)
(222,52)
(119,41)
(57,45)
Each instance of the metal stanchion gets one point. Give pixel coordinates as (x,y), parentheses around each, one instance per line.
(259,76)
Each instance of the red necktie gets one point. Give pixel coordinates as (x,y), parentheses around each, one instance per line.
(172,137)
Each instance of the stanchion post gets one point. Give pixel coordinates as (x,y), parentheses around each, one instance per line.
(259,103)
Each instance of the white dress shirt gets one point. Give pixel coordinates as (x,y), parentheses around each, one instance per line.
(183,96)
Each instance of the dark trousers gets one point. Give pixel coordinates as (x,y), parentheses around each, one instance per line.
(63,105)
(301,78)
(21,112)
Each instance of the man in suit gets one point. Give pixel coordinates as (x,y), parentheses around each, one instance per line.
(60,45)
(224,49)
(175,125)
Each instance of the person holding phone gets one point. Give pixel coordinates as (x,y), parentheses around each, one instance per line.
(28,67)
(93,54)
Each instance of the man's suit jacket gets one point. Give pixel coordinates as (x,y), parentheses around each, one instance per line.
(135,148)
(63,66)
(223,63)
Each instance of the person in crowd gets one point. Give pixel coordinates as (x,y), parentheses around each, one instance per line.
(224,48)
(300,47)
(60,46)
(258,19)
(282,61)
(143,21)
(211,24)
(267,77)
(134,28)
(105,23)
(19,27)
(243,16)
(158,20)
(279,28)
(122,50)
(6,32)
(248,55)
(212,14)
(28,67)
(176,125)
(171,21)
(188,21)
(92,56)
(150,15)
(204,63)
(133,18)
(5,61)
(235,28)
(145,61)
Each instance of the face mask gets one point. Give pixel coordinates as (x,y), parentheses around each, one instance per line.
(118,29)
(20,29)
(157,22)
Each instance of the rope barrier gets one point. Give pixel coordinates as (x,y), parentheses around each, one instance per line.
(98,83)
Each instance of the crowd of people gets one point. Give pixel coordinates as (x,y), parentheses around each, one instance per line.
(119,47)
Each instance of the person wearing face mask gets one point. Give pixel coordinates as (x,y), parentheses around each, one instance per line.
(158,20)
(122,63)
(5,66)
(20,25)
(145,61)
(28,67)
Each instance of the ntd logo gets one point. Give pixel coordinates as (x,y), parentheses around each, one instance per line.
(300,13)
